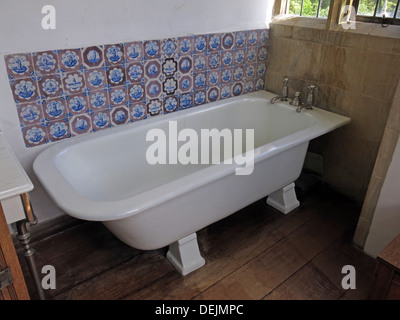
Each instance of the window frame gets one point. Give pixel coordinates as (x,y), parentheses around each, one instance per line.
(355,3)
(373,19)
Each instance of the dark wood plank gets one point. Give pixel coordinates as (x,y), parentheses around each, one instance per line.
(249,232)
(321,278)
(253,254)
(79,254)
(116,283)
(267,271)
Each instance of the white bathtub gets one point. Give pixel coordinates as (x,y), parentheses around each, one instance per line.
(104,176)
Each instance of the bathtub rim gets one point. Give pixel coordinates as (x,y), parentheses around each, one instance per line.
(78,206)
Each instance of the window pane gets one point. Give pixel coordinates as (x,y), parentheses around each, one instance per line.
(366,7)
(398,13)
(324,10)
(310,8)
(387,7)
(295,6)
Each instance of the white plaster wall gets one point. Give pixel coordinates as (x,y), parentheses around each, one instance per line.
(81,23)
(386,222)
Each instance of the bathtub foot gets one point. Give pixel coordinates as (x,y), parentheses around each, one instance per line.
(184,254)
(284,199)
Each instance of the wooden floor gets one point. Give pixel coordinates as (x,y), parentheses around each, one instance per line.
(256,253)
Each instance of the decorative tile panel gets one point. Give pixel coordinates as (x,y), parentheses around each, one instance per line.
(68,92)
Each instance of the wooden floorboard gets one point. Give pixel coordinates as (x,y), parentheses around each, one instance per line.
(256,253)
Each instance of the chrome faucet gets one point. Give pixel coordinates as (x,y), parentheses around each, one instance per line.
(309,101)
(285,91)
(296,100)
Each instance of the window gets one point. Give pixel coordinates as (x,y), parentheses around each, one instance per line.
(309,8)
(379,11)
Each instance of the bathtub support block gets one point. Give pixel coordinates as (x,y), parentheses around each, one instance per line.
(284,199)
(184,254)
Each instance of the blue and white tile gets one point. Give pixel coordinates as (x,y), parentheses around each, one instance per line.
(77,104)
(228,41)
(185,84)
(134,51)
(100,120)
(169,48)
(136,92)
(93,57)
(214,60)
(199,80)
(214,41)
(199,97)
(35,135)
(200,43)
(30,113)
(213,94)
(152,69)
(55,109)
(116,75)
(70,60)
(239,56)
(120,115)
(154,89)
(248,86)
(98,100)
(237,89)
(227,58)
(250,71)
(238,73)
(114,54)
(51,86)
(226,75)
(59,130)
(185,65)
(73,82)
(251,55)
(240,39)
(25,90)
(171,103)
(19,65)
(252,37)
(138,111)
(152,49)
(185,100)
(259,84)
(135,72)
(118,96)
(199,63)
(185,45)
(170,86)
(96,79)
(225,91)
(155,107)
(213,77)
(46,62)
(80,124)
(169,67)
(262,54)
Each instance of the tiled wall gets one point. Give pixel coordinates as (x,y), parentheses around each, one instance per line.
(64,93)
